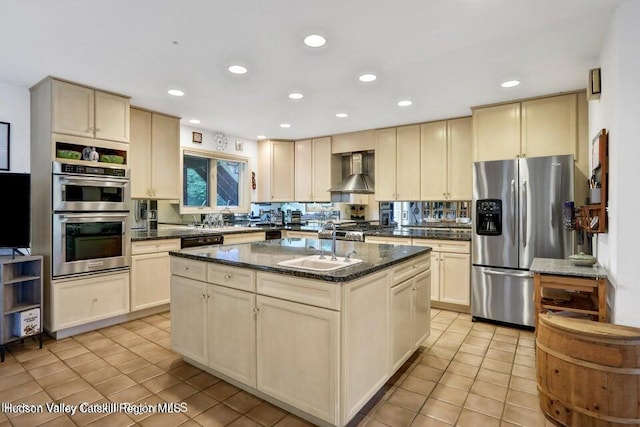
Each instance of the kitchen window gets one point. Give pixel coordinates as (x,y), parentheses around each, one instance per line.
(213,182)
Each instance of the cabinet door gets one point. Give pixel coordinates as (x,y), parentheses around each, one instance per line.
(549,126)
(401,323)
(165,157)
(496,132)
(435,276)
(282,171)
(139,160)
(189,318)
(232,333)
(298,355)
(322,170)
(459,164)
(421,308)
(433,161)
(73,109)
(150,280)
(303,171)
(408,163)
(111,117)
(456,278)
(385,181)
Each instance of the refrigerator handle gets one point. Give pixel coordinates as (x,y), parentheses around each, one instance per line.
(502,273)
(523,195)
(513,212)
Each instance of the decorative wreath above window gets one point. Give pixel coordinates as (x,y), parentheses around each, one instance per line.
(220,140)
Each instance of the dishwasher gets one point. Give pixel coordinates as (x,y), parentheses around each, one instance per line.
(195,241)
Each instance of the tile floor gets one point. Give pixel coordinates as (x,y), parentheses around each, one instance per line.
(467,374)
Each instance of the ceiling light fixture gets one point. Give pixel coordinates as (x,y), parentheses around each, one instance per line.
(237,69)
(195,121)
(510,83)
(342,115)
(261,137)
(315,40)
(405,103)
(175,92)
(285,125)
(367,78)
(296,95)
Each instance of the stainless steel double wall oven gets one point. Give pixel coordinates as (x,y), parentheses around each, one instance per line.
(90,218)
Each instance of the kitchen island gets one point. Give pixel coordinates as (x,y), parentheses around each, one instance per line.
(319,344)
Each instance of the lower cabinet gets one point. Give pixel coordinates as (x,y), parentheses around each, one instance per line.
(189,318)
(298,354)
(151,272)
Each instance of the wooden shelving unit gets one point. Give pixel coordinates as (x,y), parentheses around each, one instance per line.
(20,290)
(592,218)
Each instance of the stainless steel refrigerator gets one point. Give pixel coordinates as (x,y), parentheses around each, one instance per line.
(517,211)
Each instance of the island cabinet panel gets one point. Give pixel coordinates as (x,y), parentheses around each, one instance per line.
(401,321)
(298,352)
(231,334)
(422,308)
(189,317)
(320,294)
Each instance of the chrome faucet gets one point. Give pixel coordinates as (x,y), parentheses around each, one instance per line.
(333,238)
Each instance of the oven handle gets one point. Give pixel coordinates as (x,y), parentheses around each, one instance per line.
(93,216)
(97,182)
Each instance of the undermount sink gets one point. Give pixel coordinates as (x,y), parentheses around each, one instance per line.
(314,263)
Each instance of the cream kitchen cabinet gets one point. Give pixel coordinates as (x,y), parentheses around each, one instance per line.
(295,234)
(84,111)
(531,128)
(451,271)
(384,240)
(276,171)
(316,170)
(151,272)
(445,160)
(154,155)
(189,329)
(232,239)
(397,163)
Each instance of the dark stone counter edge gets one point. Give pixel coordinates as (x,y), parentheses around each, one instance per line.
(327,276)
(589,273)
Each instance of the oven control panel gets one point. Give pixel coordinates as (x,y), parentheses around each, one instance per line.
(76,169)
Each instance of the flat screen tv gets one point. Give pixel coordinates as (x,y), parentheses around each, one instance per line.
(15,213)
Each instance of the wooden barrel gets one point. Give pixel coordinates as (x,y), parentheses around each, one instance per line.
(588,372)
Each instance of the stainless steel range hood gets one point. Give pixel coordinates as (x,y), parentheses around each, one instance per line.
(357,182)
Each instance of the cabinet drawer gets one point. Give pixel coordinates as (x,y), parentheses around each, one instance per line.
(154,246)
(295,289)
(410,268)
(232,239)
(191,269)
(388,240)
(80,301)
(232,277)
(445,245)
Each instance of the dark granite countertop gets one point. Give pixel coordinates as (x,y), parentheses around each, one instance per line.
(264,256)
(564,267)
(423,234)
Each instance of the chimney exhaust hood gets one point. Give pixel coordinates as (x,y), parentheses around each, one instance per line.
(357,182)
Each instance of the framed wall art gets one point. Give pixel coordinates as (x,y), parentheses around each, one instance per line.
(5,136)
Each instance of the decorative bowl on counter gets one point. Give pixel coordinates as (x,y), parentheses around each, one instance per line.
(582,259)
(111,158)
(68,154)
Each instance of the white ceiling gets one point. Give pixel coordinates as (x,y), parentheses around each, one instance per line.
(444,55)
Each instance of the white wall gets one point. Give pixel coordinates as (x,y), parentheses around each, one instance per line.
(14,109)
(618,111)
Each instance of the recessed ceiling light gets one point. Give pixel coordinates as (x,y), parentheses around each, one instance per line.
(285,125)
(237,69)
(342,115)
(510,83)
(405,103)
(367,78)
(296,95)
(314,40)
(175,92)
(195,121)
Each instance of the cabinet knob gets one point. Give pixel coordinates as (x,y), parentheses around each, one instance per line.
(256,309)
(98,129)
(186,268)
(95,300)
(226,276)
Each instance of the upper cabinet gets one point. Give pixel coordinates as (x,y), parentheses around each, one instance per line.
(532,128)
(315,170)
(83,111)
(353,142)
(397,163)
(445,160)
(276,171)
(154,155)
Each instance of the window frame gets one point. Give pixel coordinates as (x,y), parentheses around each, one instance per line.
(244,183)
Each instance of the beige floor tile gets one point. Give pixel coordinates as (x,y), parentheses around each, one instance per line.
(63,344)
(493,377)
(444,342)
(158,356)
(121,357)
(202,380)
(407,399)
(484,405)
(81,358)
(242,402)
(10,367)
(114,385)
(523,384)
(455,337)
(98,343)
(487,389)
(470,418)
(293,421)
(500,336)
(135,324)
(497,365)
(45,359)
(185,371)
(129,339)
(469,359)
(145,348)
(525,360)
(448,394)
(61,421)
(161,382)
(12,381)
(524,372)
(244,422)
(219,415)
(164,420)
(443,411)
(149,400)
(499,345)
(200,402)
(109,350)
(523,399)
(394,415)
(435,362)
(505,330)
(174,362)
(463,369)
(418,385)
(85,418)
(145,373)
(473,349)
(88,336)
(522,416)
(25,352)
(426,372)
(221,391)
(87,368)
(132,365)
(89,395)
(457,381)
(131,394)
(422,421)
(525,342)
(481,334)
(112,331)
(30,420)
(177,392)
(72,352)
(503,356)
(60,391)
(477,341)
(525,351)
(117,419)
(30,392)
(101,375)
(444,353)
